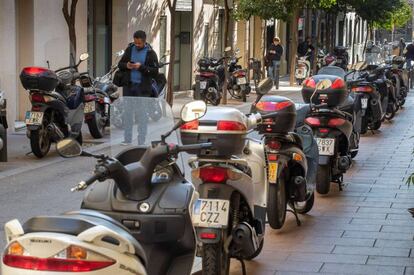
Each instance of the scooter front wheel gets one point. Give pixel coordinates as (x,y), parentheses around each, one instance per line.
(276,204)
(40,142)
(391,110)
(96,124)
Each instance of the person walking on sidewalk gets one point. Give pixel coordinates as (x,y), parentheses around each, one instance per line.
(273,57)
(139,66)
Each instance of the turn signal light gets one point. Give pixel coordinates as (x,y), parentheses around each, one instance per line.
(309,83)
(38,98)
(335,122)
(362,89)
(76,252)
(192,125)
(15,248)
(273,106)
(313,121)
(34,70)
(226,125)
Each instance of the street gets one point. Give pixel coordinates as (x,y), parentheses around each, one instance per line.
(364,229)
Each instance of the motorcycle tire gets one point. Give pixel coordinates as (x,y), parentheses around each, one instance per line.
(364,126)
(96,125)
(304,207)
(40,142)
(79,138)
(354,154)
(215,260)
(323,179)
(234,94)
(391,110)
(276,204)
(376,125)
(244,97)
(3,151)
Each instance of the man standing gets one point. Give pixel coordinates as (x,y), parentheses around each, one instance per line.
(306,48)
(273,56)
(139,65)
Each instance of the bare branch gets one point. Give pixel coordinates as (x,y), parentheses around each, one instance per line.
(65,11)
(73,10)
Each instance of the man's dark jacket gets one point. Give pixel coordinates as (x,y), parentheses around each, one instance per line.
(149,70)
(410,52)
(278,49)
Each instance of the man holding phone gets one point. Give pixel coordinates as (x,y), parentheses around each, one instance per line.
(139,66)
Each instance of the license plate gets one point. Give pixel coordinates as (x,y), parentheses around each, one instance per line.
(89,107)
(34,118)
(203,85)
(107,100)
(241,81)
(211,213)
(364,103)
(326,146)
(272,172)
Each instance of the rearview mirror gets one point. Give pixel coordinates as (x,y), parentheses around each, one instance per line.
(227,49)
(83,56)
(69,148)
(193,110)
(264,86)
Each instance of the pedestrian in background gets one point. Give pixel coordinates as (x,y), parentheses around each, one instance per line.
(273,56)
(401,46)
(306,48)
(139,66)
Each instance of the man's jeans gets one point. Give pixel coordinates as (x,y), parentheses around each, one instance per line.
(273,72)
(135,112)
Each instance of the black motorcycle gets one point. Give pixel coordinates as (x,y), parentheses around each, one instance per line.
(57,105)
(3,128)
(334,121)
(209,80)
(285,139)
(238,84)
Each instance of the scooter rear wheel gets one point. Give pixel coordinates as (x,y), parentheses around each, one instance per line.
(304,207)
(40,142)
(323,179)
(215,260)
(3,151)
(276,204)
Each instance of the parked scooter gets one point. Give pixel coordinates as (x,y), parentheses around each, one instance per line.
(137,223)
(303,69)
(286,163)
(209,80)
(335,124)
(3,128)
(399,79)
(57,105)
(238,84)
(99,94)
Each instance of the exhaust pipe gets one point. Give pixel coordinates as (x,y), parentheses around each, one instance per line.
(244,241)
(344,163)
(300,188)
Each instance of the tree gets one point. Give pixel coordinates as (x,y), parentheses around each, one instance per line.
(171,4)
(70,19)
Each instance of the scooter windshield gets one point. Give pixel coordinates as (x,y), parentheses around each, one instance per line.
(138,121)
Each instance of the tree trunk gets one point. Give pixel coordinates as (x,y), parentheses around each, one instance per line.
(369,29)
(318,34)
(70,19)
(353,40)
(226,44)
(264,40)
(170,82)
(294,45)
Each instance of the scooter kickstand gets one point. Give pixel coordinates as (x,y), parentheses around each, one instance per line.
(243,266)
(29,153)
(298,222)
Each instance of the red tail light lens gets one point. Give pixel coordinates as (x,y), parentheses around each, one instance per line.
(273,106)
(272,157)
(34,70)
(192,125)
(323,130)
(309,83)
(38,98)
(90,97)
(208,235)
(339,83)
(335,122)
(313,121)
(274,144)
(213,174)
(54,264)
(225,125)
(362,89)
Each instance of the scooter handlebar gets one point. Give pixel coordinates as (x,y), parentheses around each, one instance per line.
(190,147)
(99,173)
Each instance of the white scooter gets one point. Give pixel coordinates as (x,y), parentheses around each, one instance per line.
(303,69)
(137,223)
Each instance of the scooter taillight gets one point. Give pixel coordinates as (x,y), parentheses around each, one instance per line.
(362,89)
(207,74)
(215,174)
(313,121)
(71,259)
(90,97)
(38,98)
(335,122)
(192,125)
(274,144)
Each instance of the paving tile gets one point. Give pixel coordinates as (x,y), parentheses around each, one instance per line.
(405,222)
(378,235)
(372,251)
(409,271)
(340,241)
(328,258)
(403,216)
(362,269)
(386,210)
(398,229)
(390,261)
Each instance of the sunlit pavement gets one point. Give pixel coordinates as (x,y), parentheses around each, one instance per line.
(364,229)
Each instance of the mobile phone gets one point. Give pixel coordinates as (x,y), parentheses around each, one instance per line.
(132,62)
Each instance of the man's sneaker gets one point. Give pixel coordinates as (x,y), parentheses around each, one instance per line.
(125,143)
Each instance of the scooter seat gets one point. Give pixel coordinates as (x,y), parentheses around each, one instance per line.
(76,222)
